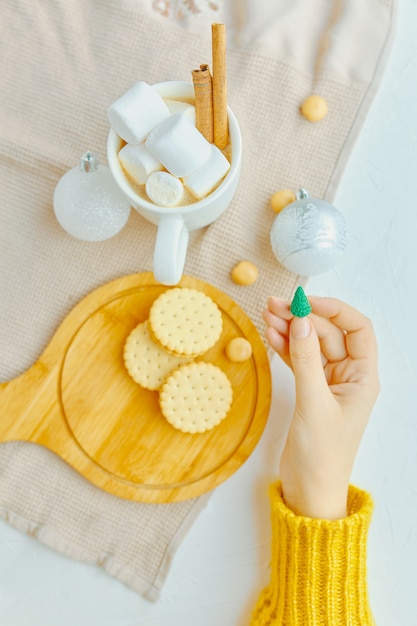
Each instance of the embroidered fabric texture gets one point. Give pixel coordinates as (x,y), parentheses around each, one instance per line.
(180,9)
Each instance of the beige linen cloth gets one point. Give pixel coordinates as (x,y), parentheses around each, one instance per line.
(62,63)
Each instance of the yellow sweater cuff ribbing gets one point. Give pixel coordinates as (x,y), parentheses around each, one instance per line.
(318,568)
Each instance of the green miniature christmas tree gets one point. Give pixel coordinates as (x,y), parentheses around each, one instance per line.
(300,306)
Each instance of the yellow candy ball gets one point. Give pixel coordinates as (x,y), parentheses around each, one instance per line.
(238,349)
(244,273)
(314,108)
(281,198)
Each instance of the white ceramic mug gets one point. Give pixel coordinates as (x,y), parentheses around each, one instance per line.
(175,223)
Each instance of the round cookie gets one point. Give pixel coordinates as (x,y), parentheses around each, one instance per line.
(196,397)
(185,321)
(147,363)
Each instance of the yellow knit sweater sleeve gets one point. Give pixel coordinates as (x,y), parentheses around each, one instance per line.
(318,569)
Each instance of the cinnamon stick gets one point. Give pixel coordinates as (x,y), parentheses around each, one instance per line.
(221,131)
(203,90)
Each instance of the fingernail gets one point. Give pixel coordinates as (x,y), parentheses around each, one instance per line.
(278,302)
(300,327)
(276,299)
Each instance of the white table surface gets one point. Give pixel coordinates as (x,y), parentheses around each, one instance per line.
(223,562)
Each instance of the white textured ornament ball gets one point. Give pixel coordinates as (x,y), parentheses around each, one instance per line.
(309,236)
(88,204)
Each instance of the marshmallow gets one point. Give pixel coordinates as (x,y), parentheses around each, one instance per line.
(176,106)
(203,180)
(164,189)
(138,162)
(135,113)
(178,145)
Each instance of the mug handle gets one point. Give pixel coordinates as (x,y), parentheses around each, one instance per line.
(170,250)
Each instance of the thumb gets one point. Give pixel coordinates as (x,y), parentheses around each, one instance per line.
(305,353)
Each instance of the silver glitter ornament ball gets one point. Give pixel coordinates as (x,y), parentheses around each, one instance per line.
(87,202)
(308,236)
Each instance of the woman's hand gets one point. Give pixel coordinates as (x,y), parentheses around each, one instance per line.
(333,355)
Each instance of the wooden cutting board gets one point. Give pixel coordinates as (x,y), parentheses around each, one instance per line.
(79,401)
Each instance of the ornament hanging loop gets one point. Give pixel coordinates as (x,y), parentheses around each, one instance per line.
(89,162)
(302,194)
